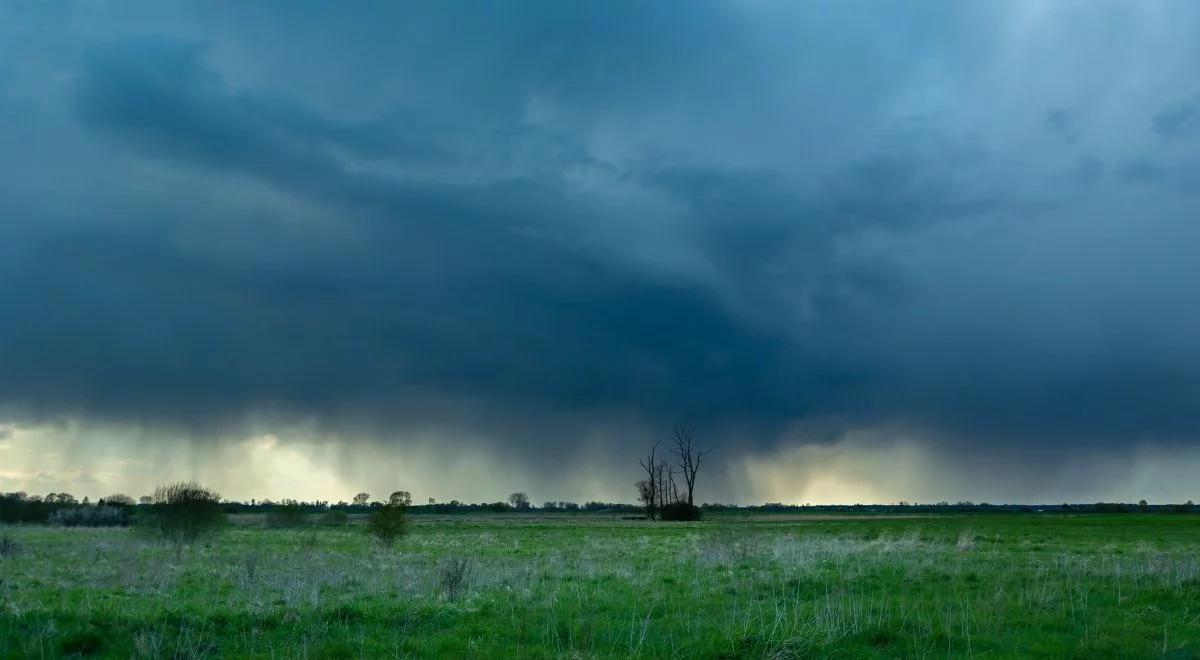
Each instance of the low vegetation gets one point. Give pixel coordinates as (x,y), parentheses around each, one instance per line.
(593,585)
(9,547)
(288,513)
(454,573)
(90,516)
(183,513)
(389,522)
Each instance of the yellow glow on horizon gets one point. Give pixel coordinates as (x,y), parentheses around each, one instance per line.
(847,472)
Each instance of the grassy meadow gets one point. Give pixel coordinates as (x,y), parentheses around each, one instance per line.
(531,586)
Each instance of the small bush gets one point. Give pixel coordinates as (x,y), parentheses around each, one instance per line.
(388,523)
(680,511)
(288,514)
(90,516)
(184,512)
(454,574)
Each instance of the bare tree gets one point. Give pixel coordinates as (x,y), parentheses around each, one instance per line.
(646,495)
(668,491)
(183,512)
(689,457)
(117,499)
(648,489)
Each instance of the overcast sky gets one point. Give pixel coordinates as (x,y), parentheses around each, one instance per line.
(869,251)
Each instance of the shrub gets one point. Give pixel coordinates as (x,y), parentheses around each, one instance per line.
(289,513)
(679,511)
(454,574)
(390,521)
(90,516)
(183,512)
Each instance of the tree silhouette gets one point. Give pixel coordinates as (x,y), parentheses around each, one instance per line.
(183,512)
(390,521)
(689,457)
(519,501)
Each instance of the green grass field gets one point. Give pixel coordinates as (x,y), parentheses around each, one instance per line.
(1003,586)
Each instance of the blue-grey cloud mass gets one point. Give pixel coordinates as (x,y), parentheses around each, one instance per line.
(778,222)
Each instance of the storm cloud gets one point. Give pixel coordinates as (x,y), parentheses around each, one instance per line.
(545,230)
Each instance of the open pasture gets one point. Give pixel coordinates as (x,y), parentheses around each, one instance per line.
(590,586)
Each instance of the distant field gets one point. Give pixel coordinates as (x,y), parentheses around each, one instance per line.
(996,586)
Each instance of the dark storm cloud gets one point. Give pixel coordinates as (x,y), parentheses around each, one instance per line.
(746,217)
(1179,119)
(1143,170)
(1063,123)
(466,288)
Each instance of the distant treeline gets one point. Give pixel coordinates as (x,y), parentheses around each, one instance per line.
(65,509)
(964,507)
(443,508)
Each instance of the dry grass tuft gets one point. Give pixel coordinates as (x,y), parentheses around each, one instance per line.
(966,541)
(454,574)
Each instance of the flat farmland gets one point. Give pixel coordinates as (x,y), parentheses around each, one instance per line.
(586,586)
